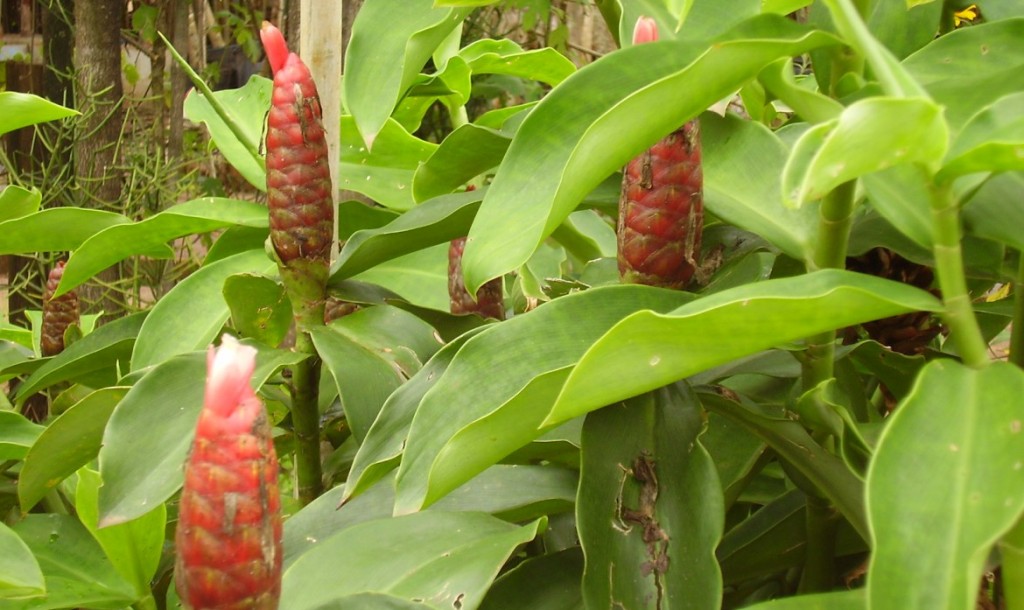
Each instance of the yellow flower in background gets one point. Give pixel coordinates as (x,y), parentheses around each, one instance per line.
(966,15)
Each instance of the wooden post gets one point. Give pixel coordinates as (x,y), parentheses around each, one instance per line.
(320,46)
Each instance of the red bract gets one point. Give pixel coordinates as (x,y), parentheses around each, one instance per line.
(58,313)
(229,521)
(661,207)
(488,303)
(298,172)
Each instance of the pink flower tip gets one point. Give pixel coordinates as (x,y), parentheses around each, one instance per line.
(646,30)
(229,370)
(275,46)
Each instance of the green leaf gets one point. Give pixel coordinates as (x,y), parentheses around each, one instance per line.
(55,229)
(385,173)
(995,212)
(503,56)
(900,194)
(810,105)
(17,434)
(970,68)
(191,315)
(134,548)
(602,116)
(67,444)
(433,222)
(385,54)
(455,557)
(141,463)
(247,108)
(19,110)
(20,575)
(932,534)
(466,153)
(457,434)
(904,29)
(650,510)
(550,581)
(869,135)
(837,600)
(512,493)
(260,309)
(992,141)
(149,237)
(385,441)
(421,277)
(794,445)
(94,356)
(16,202)
(77,572)
(743,164)
(648,350)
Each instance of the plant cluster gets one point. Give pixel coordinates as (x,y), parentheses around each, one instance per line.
(815,414)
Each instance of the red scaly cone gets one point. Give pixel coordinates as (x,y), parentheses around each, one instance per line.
(229,521)
(58,313)
(488,303)
(661,208)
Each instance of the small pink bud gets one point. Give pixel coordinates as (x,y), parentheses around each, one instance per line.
(646,30)
(274,44)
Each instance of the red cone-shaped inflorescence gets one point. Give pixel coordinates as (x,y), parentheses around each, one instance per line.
(488,303)
(298,172)
(229,521)
(58,313)
(661,207)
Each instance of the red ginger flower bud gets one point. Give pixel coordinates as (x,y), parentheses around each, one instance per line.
(229,525)
(58,313)
(298,173)
(488,302)
(661,207)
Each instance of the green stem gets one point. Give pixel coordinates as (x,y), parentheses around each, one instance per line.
(1017,327)
(146,603)
(247,142)
(819,572)
(949,269)
(306,419)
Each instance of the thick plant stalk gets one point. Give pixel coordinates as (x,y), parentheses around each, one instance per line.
(229,522)
(299,195)
(58,313)
(661,208)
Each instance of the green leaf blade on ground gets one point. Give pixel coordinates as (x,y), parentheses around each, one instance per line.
(565,148)
(150,236)
(192,313)
(648,350)
(933,534)
(68,443)
(456,555)
(247,108)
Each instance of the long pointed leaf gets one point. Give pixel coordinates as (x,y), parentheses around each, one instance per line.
(602,116)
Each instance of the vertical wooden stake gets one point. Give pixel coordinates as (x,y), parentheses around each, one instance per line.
(320,46)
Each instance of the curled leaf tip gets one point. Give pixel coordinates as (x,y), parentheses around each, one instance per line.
(646,30)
